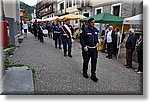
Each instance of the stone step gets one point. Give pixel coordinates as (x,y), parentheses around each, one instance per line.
(18,81)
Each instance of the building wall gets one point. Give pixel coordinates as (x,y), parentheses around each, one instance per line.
(128,7)
(11,10)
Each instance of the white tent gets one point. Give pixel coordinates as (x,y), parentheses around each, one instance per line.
(138,19)
(38,20)
(134,20)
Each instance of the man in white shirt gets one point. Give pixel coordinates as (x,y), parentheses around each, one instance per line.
(109,40)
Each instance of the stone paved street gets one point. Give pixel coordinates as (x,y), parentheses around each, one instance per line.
(56,74)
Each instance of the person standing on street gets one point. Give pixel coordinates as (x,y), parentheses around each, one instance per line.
(110,41)
(25,28)
(57,34)
(130,47)
(35,28)
(105,32)
(40,33)
(21,27)
(89,42)
(139,48)
(116,42)
(67,33)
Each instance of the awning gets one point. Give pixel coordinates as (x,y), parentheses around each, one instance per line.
(134,20)
(105,18)
(71,17)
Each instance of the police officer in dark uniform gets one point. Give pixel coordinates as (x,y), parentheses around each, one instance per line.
(89,42)
(57,34)
(40,33)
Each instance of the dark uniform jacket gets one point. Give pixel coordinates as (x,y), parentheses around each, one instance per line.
(131,42)
(56,31)
(89,37)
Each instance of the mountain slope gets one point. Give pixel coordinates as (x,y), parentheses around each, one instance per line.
(28,9)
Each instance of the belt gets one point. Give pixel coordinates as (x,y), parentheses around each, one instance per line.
(91,47)
(56,32)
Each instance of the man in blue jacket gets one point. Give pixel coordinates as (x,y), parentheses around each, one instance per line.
(130,47)
(57,34)
(89,42)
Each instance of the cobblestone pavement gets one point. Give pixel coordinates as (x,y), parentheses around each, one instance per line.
(56,74)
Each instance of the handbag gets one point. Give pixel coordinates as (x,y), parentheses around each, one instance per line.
(45,32)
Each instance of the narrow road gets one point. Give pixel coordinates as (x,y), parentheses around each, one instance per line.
(56,74)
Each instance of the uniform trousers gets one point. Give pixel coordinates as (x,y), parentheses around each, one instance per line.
(93,54)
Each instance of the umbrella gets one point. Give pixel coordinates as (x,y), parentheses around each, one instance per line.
(71,17)
(133,20)
(106,18)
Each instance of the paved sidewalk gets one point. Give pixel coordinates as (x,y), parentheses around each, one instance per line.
(56,74)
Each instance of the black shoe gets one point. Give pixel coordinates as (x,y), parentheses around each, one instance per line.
(129,67)
(60,48)
(110,58)
(85,75)
(55,47)
(125,65)
(107,56)
(94,78)
(70,56)
(65,55)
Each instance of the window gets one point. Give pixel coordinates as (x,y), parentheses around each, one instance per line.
(50,7)
(98,10)
(116,9)
(70,3)
(62,6)
(78,2)
(74,2)
(86,14)
(77,21)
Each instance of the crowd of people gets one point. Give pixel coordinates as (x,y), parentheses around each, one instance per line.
(89,39)
(61,33)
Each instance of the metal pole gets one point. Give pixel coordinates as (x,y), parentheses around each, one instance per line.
(120,41)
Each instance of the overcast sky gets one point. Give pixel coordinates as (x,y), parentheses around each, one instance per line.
(29,2)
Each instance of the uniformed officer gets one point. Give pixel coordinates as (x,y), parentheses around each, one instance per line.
(89,42)
(67,33)
(57,34)
(40,33)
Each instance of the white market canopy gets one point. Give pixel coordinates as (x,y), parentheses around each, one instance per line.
(38,20)
(50,19)
(134,20)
